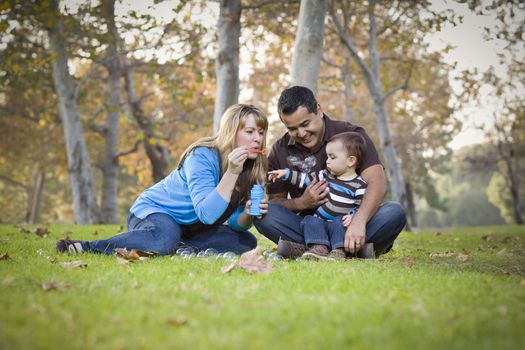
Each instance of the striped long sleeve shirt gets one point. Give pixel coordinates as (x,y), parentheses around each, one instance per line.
(344,197)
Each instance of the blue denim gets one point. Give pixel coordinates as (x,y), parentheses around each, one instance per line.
(160,233)
(319,231)
(382,229)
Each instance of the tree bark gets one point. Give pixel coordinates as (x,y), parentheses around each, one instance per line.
(308,47)
(348,81)
(514,186)
(110,166)
(79,166)
(158,155)
(34,194)
(227,62)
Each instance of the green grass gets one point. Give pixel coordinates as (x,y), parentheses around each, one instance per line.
(408,299)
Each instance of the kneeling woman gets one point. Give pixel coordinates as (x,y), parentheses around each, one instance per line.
(210,186)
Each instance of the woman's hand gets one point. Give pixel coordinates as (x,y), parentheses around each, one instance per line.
(236,159)
(263,207)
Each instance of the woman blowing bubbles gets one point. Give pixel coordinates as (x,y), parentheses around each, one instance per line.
(210,186)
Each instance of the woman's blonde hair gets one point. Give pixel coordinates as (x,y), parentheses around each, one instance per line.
(233,120)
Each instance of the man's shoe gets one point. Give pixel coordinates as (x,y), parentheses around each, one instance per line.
(367,252)
(316,252)
(289,249)
(337,254)
(69,245)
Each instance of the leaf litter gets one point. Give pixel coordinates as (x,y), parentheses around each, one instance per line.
(252,262)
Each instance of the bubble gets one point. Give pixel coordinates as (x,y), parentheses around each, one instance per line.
(229,256)
(201,254)
(185,250)
(211,251)
(274,257)
(188,256)
(293,160)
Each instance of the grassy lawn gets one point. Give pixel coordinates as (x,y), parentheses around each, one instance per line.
(456,289)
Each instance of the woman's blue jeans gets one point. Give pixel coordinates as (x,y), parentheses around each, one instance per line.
(382,229)
(160,233)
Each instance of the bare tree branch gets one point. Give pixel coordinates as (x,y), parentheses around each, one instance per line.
(347,41)
(7,179)
(404,86)
(134,149)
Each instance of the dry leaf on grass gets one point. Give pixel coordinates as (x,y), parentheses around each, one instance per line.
(251,261)
(122,261)
(42,232)
(229,268)
(446,254)
(75,263)
(409,263)
(178,321)
(487,237)
(5,256)
(133,254)
(56,286)
(463,256)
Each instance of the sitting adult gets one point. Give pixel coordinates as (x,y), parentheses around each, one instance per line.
(210,186)
(309,129)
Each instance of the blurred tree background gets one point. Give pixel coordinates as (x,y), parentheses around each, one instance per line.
(140,80)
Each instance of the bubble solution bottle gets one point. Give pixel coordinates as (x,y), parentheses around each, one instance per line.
(256,195)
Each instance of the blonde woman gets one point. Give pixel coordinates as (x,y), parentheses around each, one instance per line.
(210,187)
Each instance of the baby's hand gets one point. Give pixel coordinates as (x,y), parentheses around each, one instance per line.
(347,219)
(275,175)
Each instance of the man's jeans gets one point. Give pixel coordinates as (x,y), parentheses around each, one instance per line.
(382,229)
(159,233)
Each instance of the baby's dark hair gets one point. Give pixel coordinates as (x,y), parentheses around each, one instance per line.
(353,143)
(293,98)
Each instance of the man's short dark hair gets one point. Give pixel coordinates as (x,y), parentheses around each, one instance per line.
(295,97)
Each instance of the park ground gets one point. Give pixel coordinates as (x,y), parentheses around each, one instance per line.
(461,288)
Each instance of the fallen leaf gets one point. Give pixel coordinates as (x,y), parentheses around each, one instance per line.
(95,233)
(4,240)
(487,237)
(75,263)
(463,256)
(120,228)
(229,268)
(133,254)
(409,263)
(438,233)
(446,254)
(56,286)
(252,261)
(5,256)
(502,252)
(65,234)
(42,232)
(178,321)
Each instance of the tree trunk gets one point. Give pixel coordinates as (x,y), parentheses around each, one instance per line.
(34,194)
(227,62)
(79,166)
(158,155)
(514,187)
(411,208)
(381,115)
(308,47)
(348,80)
(110,166)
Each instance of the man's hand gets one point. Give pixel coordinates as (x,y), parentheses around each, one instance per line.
(315,194)
(355,236)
